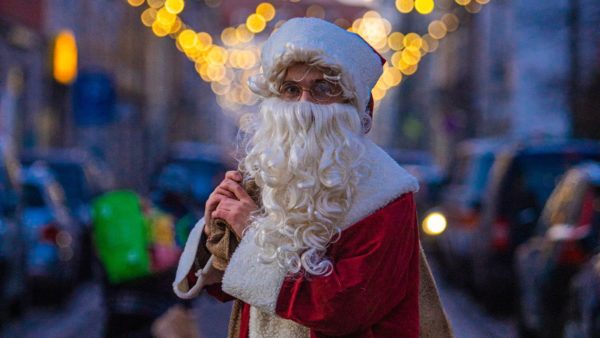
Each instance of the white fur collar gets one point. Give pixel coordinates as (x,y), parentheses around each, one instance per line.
(258,284)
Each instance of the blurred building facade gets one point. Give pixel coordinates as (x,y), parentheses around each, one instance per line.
(512,69)
(159,98)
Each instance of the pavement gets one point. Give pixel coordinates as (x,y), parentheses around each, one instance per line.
(83,313)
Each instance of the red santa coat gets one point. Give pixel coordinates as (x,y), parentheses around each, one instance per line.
(373,289)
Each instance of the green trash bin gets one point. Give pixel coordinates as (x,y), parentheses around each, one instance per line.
(121,235)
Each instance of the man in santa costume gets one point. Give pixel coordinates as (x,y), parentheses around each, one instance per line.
(329,246)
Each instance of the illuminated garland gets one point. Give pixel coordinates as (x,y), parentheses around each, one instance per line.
(228,67)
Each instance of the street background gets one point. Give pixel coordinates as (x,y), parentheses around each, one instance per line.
(120,116)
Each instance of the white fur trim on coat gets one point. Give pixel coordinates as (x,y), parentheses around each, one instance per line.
(206,276)
(258,284)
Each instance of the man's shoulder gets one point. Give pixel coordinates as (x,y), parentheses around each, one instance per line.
(386,183)
(400,208)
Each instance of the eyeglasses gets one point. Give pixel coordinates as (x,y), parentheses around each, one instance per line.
(320,91)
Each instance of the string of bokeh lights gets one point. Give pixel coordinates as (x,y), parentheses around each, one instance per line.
(227,66)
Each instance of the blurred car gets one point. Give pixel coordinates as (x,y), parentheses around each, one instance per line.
(522,178)
(568,235)
(582,315)
(421,165)
(199,166)
(12,273)
(52,237)
(81,175)
(82,178)
(460,207)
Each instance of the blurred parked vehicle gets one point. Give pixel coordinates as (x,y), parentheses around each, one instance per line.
(582,318)
(568,235)
(460,207)
(522,178)
(12,273)
(82,177)
(204,165)
(421,165)
(52,236)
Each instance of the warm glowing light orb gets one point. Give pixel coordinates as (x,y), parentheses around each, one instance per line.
(434,224)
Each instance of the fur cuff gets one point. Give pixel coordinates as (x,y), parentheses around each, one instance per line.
(207,274)
(251,281)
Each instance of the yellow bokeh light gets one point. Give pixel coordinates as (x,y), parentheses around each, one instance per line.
(396,59)
(424,46)
(434,224)
(148,17)
(381,84)
(473,8)
(437,29)
(462,2)
(451,21)
(229,37)
(176,27)
(396,41)
(378,93)
(424,6)
(483,2)
(356,25)
(411,55)
(174,6)
(256,23)
(204,41)
(202,69)
(215,72)
(405,6)
(64,60)
(372,15)
(217,55)
(156,3)
(187,39)
(243,34)
(266,10)
(136,3)
(219,88)
(432,44)
(409,70)
(387,25)
(159,29)
(389,77)
(412,39)
(165,18)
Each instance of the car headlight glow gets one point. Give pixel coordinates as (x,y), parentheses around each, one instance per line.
(434,224)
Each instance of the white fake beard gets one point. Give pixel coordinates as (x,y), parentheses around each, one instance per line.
(306,160)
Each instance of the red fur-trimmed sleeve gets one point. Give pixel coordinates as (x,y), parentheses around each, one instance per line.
(375,277)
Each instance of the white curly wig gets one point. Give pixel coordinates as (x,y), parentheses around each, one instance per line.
(306,157)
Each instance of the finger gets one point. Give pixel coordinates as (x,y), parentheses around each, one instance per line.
(220,213)
(224,207)
(222,191)
(234,175)
(213,201)
(236,189)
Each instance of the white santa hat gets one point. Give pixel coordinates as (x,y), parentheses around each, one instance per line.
(299,38)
